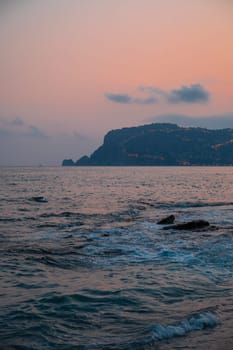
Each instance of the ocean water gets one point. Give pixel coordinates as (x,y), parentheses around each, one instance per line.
(89,267)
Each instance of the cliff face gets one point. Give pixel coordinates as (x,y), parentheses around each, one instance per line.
(163,144)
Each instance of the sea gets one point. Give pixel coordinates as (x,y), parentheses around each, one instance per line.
(85,265)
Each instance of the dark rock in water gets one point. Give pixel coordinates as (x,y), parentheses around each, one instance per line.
(166,221)
(39,199)
(191,225)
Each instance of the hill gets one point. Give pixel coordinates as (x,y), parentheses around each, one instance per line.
(162,144)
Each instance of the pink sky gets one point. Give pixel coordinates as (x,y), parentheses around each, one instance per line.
(62,59)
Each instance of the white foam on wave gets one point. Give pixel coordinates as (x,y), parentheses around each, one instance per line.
(198,322)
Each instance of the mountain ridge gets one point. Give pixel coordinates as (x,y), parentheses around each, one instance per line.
(161,144)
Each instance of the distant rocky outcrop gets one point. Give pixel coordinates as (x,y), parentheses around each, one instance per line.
(162,144)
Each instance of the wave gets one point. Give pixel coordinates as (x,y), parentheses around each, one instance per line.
(80,311)
(159,332)
(192,204)
(196,322)
(198,204)
(10,219)
(66,214)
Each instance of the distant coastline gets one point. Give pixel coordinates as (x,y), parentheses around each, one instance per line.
(162,144)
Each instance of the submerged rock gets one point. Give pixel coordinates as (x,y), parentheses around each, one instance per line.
(166,221)
(191,225)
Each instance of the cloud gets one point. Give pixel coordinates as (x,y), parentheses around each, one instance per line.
(189,94)
(18,128)
(195,93)
(127,99)
(119,98)
(220,121)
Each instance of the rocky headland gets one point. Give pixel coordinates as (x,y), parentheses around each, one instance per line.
(161,144)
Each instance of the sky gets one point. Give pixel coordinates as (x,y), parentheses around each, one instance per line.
(71,70)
